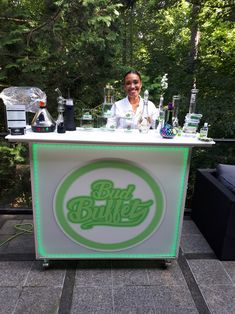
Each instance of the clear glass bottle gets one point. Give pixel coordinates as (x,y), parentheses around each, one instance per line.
(87,121)
(204,130)
(144,121)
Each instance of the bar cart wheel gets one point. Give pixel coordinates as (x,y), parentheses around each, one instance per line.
(166,263)
(45,263)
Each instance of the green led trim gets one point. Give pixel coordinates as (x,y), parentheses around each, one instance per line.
(108,147)
(106,255)
(183,172)
(41,249)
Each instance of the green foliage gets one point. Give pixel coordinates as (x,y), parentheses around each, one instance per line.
(14,173)
(80,46)
(65,44)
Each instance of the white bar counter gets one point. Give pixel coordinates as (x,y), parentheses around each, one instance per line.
(108,195)
(118,136)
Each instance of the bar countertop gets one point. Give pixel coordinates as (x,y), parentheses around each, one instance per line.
(119,136)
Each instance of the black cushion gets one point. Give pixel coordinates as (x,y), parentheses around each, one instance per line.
(213,211)
(226,175)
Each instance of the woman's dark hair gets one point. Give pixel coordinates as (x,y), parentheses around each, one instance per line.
(132,72)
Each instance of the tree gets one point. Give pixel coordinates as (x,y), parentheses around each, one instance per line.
(82,45)
(66,44)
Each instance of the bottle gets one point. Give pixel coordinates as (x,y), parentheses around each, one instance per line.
(87,121)
(204,130)
(144,120)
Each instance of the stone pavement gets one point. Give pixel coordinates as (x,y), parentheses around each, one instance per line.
(197,282)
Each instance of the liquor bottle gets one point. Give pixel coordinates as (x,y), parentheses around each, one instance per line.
(144,120)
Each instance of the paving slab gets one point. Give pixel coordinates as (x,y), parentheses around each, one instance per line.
(14,274)
(189,227)
(39,300)
(194,243)
(93,274)
(39,277)
(9,227)
(230,269)
(27,220)
(171,277)
(209,272)
(173,299)
(196,282)
(220,298)
(13,226)
(133,299)
(126,274)
(8,299)
(4,243)
(92,300)
(22,244)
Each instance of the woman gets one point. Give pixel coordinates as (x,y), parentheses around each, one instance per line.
(129,109)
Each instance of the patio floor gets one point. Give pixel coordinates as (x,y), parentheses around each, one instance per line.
(197,282)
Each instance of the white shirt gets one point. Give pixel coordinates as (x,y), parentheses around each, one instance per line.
(122,110)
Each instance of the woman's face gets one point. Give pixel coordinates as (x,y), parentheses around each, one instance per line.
(132,85)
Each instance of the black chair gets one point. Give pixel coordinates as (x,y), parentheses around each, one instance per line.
(213,211)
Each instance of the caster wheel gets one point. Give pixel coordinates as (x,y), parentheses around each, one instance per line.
(166,263)
(45,264)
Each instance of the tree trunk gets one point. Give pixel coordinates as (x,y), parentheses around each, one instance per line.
(124,43)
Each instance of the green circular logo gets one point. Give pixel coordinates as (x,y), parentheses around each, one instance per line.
(109,205)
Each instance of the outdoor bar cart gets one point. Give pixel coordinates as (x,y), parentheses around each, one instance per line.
(108,195)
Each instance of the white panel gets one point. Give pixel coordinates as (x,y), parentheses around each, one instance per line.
(168,168)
